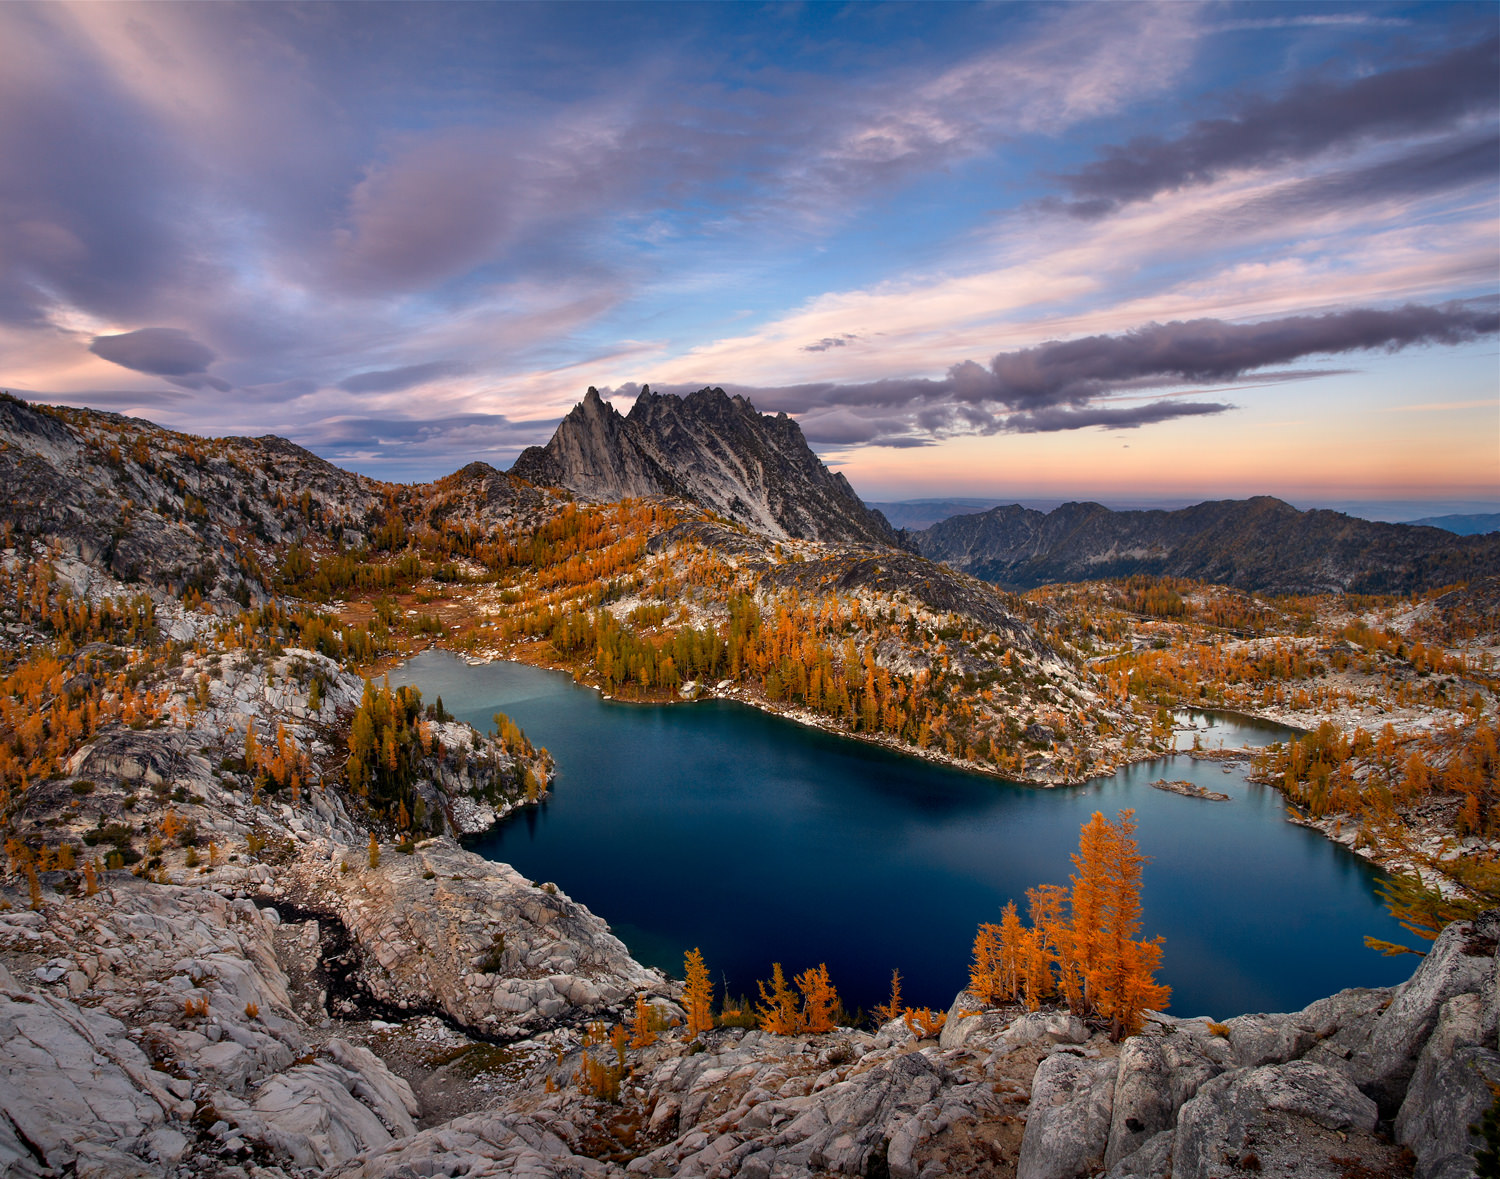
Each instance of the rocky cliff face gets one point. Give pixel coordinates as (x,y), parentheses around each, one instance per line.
(596,454)
(1255,544)
(710,447)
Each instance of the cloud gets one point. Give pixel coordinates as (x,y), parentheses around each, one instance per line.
(828,342)
(162,352)
(393,380)
(117,400)
(545,210)
(1443,166)
(432,211)
(417,447)
(1313,117)
(1062,384)
(1054,418)
(1180,352)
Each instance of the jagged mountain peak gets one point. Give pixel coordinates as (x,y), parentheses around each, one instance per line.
(711,447)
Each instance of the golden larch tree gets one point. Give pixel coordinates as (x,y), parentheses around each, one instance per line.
(777,1009)
(984,971)
(698,995)
(820,1002)
(642,1034)
(1121,979)
(1086,902)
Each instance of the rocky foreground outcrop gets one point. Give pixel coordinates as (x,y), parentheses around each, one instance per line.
(152,1029)
(166,1030)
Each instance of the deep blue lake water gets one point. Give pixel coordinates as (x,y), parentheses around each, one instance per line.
(757,839)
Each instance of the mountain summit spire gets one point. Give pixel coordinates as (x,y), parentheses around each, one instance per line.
(709,447)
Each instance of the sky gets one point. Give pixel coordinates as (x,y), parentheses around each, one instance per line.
(1117,251)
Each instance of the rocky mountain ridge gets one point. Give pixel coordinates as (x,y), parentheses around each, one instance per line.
(709,447)
(1259,544)
(175,511)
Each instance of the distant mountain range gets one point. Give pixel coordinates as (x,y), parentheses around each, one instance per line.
(1476,525)
(1255,544)
(709,447)
(924,513)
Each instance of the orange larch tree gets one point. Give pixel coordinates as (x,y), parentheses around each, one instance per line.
(777,1009)
(1121,980)
(698,996)
(820,1002)
(1093,956)
(892,1008)
(984,971)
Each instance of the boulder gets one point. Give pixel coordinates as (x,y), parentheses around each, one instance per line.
(1067,1128)
(1459,962)
(870,1116)
(1257,1111)
(1051,1027)
(488,1145)
(69,1077)
(445,928)
(1157,1074)
(970,1019)
(1460,1024)
(321,1114)
(1444,1102)
(1268,1039)
(1152,1161)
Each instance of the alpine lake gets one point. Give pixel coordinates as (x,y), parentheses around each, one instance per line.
(715,825)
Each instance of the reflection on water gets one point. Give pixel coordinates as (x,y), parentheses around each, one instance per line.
(1225,730)
(759,840)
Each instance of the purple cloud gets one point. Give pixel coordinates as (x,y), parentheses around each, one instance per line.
(828,342)
(1058,385)
(393,380)
(1073,371)
(163,352)
(1313,117)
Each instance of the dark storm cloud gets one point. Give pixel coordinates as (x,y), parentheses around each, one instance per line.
(163,352)
(1313,117)
(393,380)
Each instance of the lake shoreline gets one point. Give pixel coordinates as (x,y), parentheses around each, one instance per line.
(529,655)
(629,776)
(1386,858)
